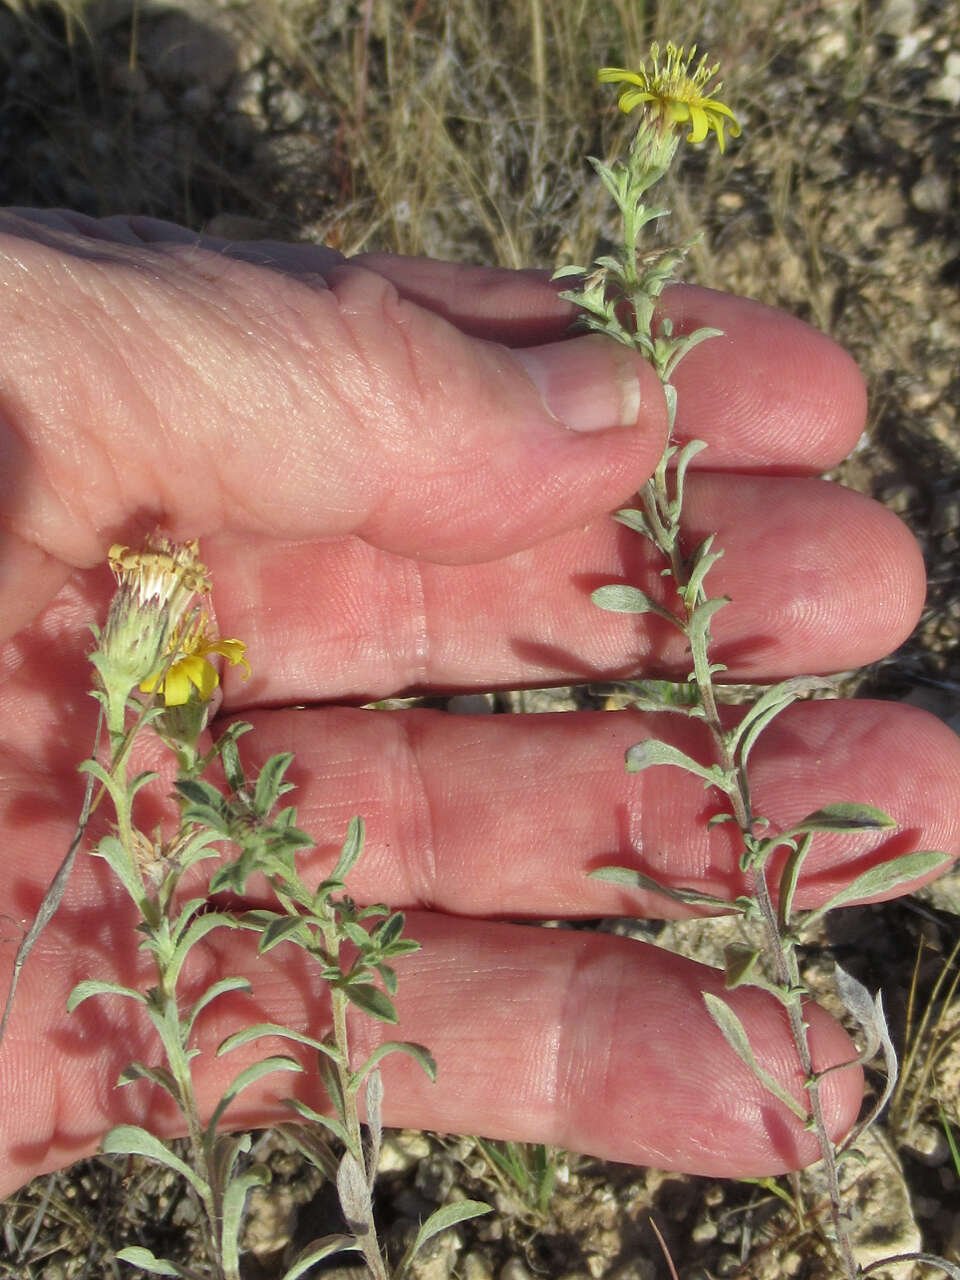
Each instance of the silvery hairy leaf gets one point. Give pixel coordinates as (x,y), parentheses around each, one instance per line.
(620,598)
(316,1251)
(769,705)
(95,987)
(131,1140)
(846,816)
(161,1076)
(308,1113)
(261,1029)
(256,1071)
(867,1012)
(927,1259)
(412,1050)
(884,877)
(628,878)
(354,1194)
(373,1096)
(446,1216)
(143,1258)
(213,992)
(234,1199)
(703,561)
(351,850)
(652,752)
(736,1037)
(633,519)
(684,458)
(270,784)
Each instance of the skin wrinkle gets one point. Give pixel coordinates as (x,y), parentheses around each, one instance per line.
(582,1070)
(93,331)
(421,861)
(415,611)
(367,378)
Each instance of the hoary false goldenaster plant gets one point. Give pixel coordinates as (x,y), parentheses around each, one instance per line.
(618,296)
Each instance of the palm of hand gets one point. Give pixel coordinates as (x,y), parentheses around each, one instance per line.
(409,571)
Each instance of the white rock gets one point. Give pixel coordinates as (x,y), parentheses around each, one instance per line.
(878,1200)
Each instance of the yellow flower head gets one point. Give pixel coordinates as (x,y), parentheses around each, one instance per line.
(156,590)
(675,94)
(191,668)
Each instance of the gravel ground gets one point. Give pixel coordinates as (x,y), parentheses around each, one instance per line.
(436,128)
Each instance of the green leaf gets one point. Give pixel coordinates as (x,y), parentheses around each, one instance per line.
(868,1012)
(685,345)
(283,929)
(185,915)
(736,1037)
(261,1029)
(131,1140)
(115,855)
(698,631)
(703,562)
(353,1193)
(390,931)
(196,791)
(628,878)
(234,1198)
(226,749)
(926,1259)
(654,752)
(256,1071)
(330,1123)
(351,850)
(223,1157)
(402,947)
(884,877)
(198,928)
(441,1219)
(770,703)
(388,977)
(316,1251)
(137,1256)
(618,597)
(788,881)
(270,785)
(331,1082)
(357,934)
(635,520)
(94,987)
(197,848)
(371,1000)
(416,1051)
(160,1076)
(563,273)
(684,458)
(739,962)
(845,817)
(219,988)
(373,1100)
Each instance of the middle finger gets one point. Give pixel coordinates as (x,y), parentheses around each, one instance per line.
(802,562)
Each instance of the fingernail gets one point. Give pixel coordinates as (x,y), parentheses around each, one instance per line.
(588,384)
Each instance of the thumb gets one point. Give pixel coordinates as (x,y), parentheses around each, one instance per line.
(171,383)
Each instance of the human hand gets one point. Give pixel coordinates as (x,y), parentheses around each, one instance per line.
(386,505)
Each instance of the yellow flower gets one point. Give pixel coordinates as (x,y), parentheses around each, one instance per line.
(192,669)
(157,591)
(676,94)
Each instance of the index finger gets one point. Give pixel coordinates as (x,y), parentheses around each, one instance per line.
(772,394)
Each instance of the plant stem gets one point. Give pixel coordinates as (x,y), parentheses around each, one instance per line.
(367,1235)
(665,530)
